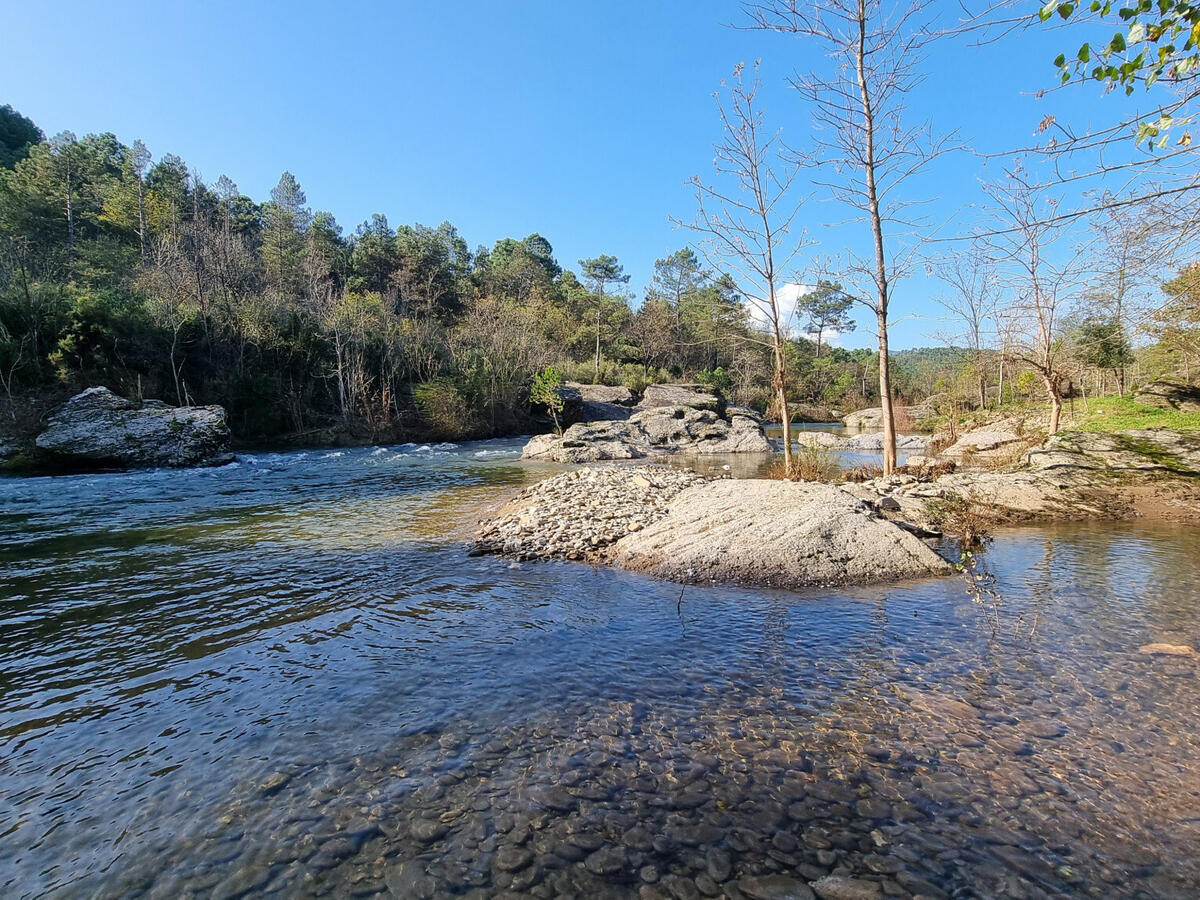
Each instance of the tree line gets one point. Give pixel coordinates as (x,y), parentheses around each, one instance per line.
(121,269)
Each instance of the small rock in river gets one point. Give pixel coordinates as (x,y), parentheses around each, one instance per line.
(774,887)
(837,887)
(1167,649)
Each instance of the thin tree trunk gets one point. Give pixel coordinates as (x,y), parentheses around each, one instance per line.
(142,218)
(785,415)
(885,392)
(70,219)
(881,281)
(596,377)
(1055,402)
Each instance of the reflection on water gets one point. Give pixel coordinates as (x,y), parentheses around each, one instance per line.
(287,675)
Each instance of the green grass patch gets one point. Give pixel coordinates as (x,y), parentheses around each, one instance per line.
(1110,414)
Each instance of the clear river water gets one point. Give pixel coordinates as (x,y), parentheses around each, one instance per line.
(288,676)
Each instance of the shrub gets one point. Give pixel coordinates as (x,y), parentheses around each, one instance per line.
(544,392)
(808,464)
(444,408)
(962,519)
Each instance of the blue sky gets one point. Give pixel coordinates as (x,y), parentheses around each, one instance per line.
(580,121)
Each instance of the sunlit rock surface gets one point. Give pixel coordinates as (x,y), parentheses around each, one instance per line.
(776,533)
(99,428)
(654,431)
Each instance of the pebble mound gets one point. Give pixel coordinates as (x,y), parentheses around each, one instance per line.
(578,514)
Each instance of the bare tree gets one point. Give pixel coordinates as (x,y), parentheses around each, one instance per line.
(863,139)
(1135,246)
(1040,276)
(973,299)
(744,221)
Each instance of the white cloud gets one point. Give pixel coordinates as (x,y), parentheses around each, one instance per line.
(787,297)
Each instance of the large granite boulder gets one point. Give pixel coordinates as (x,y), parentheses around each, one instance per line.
(572,403)
(778,534)
(693,396)
(873,442)
(675,524)
(652,432)
(98,428)
(905,416)
(604,393)
(1170,395)
(821,440)
(598,402)
(864,418)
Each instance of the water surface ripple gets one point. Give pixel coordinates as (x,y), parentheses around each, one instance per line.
(287,676)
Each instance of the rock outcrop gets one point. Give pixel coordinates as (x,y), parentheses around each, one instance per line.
(578,514)
(873,443)
(1072,476)
(864,418)
(985,443)
(1170,395)
(678,525)
(819,439)
(692,396)
(1082,454)
(858,443)
(651,432)
(595,402)
(99,429)
(906,416)
(778,534)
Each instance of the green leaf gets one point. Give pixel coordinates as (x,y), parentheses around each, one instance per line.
(1118,43)
(1060,60)
(1085,53)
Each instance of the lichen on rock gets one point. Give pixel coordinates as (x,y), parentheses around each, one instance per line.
(100,428)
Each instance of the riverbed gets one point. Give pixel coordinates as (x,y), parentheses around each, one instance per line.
(287,675)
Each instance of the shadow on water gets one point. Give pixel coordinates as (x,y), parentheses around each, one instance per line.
(289,676)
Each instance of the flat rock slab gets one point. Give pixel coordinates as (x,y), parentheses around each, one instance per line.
(1170,395)
(983,442)
(1150,449)
(694,396)
(778,534)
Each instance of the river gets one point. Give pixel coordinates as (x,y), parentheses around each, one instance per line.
(287,675)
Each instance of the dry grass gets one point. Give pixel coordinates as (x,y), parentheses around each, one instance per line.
(929,472)
(963,519)
(860,474)
(1008,458)
(808,464)
(938,444)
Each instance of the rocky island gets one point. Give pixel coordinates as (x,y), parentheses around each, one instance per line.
(676,524)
